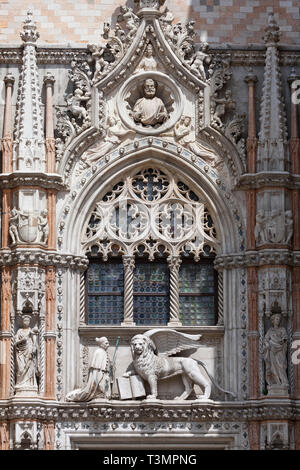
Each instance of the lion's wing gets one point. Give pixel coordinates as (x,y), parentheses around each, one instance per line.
(170,342)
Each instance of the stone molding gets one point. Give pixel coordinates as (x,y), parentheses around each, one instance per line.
(262,179)
(43,180)
(42,258)
(258,258)
(254,56)
(115,410)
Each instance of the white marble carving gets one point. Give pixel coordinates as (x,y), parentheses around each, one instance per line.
(151,353)
(149,110)
(26,358)
(273,226)
(275,356)
(116,133)
(28,227)
(148,62)
(150,103)
(98,383)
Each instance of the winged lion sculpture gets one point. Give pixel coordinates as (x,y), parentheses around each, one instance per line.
(152,361)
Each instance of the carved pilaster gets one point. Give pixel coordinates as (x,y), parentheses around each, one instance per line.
(49,435)
(4,435)
(251,79)
(253,331)
(174,263)
(5,330)
(50,336)
(128,263)
(7,126)
(50,140)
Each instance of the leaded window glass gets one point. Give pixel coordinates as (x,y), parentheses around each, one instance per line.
(197,293)
(151,292)
(105,286)
(151,219)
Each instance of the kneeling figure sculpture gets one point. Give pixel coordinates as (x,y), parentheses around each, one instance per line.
(151,351)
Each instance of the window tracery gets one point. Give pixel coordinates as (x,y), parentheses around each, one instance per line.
(152,215)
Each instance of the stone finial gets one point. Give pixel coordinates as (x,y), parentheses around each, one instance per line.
(149,4)
(272,31)
(29,33)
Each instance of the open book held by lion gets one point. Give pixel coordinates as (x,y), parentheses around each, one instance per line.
(151,353)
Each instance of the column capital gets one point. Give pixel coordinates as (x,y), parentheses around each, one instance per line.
(49,80)
(9,80)
(250,78)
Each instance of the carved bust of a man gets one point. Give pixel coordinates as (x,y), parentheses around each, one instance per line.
(149,110)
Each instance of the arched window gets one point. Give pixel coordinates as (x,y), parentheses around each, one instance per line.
(151,243)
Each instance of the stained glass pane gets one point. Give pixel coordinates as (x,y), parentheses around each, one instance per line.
(105,278)
(151,278)
(197,310)
(150,310)
(197,279)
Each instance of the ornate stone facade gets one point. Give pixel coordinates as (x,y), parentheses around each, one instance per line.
(153,162)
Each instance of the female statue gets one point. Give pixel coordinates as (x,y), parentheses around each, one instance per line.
(26,350)
(275,349)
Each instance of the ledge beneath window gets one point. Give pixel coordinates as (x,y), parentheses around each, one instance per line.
(117,330)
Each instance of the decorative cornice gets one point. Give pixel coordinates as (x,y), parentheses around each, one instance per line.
(96,331)
(148,411)
(42,257)
(65,55)
(258,258)
(264,178)
(43,180)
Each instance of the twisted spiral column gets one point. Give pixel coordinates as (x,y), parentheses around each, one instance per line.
(220,299)
(128,263)
(174,263)
(82,299)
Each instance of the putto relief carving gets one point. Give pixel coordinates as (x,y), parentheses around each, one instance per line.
(28,227)
(273,226)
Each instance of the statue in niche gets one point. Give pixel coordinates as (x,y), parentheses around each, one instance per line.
(219,106)
(275,353)
(148,62)
(151,361)
(26,356)
(150,110)
(288,226)
(115,134)
(98,383)
(43,226)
